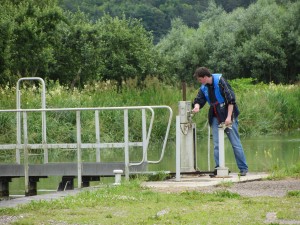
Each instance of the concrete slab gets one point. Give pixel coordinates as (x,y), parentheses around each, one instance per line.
(14,202)
(192,181)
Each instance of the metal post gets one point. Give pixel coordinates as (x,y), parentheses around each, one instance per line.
(144,134)
(79,164)
(44,132)
(187,143)
(178,150)
(208,148)
(98,159)
(44,126)
(221,147)
(18,160)
(26,174)
(126,142)
(221,170)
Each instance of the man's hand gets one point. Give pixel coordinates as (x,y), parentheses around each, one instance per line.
(196,108)
(228,121)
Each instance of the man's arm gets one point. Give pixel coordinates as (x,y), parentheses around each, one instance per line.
(228,120)
(199,101)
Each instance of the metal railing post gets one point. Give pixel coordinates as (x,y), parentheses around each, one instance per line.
(26,167)
(208,147)
(44,126)
(144,134)
(222,171)
(178,144)
(78,145)
(126,142)
(79,160)
(18,160)
(97,131)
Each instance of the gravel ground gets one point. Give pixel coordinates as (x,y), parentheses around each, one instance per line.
(272,188)
(266,188)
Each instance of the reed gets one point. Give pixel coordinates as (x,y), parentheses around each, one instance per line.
(265,109)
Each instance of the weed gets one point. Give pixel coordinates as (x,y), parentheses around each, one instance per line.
(283,172)
(293,194)
(108,216)
(158,176)
(225,184)
(226,194)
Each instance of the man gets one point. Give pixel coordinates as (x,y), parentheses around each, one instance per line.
(223,109)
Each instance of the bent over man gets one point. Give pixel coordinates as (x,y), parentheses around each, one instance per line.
(223,109)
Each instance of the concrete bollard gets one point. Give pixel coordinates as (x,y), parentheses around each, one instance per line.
(118,174)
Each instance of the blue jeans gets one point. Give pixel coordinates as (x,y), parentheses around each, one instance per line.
(235,141)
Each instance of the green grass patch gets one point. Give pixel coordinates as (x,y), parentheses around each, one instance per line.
(293,194)
(225,184)
(278,173)
(130,203)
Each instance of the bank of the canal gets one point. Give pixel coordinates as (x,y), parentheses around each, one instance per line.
(187,182)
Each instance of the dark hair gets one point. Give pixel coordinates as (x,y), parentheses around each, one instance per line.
(202,72)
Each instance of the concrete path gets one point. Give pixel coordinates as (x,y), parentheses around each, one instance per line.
(48,197)
(190,181)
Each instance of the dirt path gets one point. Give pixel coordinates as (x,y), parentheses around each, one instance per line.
(272,188)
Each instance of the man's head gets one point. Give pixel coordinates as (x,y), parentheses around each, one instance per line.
(203,75)
(202,72)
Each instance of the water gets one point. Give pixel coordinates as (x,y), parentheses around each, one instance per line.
(263,154)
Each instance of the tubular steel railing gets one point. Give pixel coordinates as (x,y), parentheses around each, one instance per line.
(21,115)
(97,145)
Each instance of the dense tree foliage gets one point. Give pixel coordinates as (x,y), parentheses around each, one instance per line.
(39,38)
(255,42)
(28,36)
(156,15)
(126,49)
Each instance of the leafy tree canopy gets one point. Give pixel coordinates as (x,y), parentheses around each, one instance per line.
(156,15)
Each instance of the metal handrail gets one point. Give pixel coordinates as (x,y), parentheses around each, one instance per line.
(166,135)
(79,145)
(18,106)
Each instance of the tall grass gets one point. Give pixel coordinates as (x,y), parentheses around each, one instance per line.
(279,172)
(265,109)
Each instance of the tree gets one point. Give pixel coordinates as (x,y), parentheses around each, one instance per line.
(253,42)
(182,51)
(33,37)
(291,40)
(78,54)
(6,32)
(126,48)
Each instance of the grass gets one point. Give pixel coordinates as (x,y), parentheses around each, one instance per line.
(282,172)
(130,203)
(225,184)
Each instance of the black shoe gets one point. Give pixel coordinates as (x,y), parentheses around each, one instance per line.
(243,173)
(215,171)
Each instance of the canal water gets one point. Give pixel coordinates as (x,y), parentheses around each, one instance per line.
(263,154)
